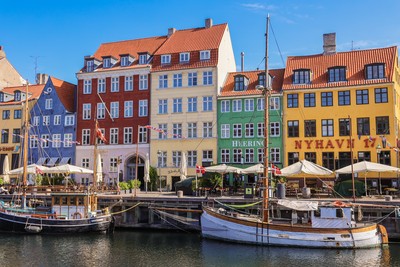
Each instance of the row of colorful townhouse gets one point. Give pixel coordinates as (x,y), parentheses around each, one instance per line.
(178,95)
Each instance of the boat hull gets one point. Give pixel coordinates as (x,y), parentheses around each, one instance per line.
(223,227)
(24,224)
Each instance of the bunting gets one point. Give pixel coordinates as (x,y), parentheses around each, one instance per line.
(200,169)
(163,132)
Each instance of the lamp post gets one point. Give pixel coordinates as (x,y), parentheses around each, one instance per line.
(378,153)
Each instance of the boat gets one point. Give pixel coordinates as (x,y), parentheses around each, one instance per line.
(69,212)
(308,224)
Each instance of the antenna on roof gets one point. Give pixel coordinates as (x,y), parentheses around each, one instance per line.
(36,67)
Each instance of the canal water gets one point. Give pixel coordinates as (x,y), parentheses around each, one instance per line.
(134,248)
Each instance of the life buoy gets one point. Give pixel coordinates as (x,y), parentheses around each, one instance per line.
(76,214)
(339,204)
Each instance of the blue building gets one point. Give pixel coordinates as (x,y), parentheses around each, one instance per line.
(52,136)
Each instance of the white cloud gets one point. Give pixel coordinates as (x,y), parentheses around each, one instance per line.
(258,6)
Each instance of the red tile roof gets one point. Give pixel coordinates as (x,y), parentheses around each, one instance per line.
(354,61)
(34,92)
(228,87)
(66,93)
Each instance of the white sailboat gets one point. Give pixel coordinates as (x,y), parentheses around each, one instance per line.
(330,225)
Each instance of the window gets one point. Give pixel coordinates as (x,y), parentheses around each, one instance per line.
(177,130)
(192,158)
(101,111)
(326,99)
(69,120)
(205,55)
(125,61)
(274,103)
(89,65)
(106,62)
(128,131)
(163,81)
(165,59)
(309,100)
(225,130)
(143,108)
(1,97)
(36,120)
(162,106)
(207,78)
(375,71)
(207,129)
(192,78)
(260,129)
(85,163)
(163,131)
(101,86)
(344,98)
(68,140)
(337,74)
(113,136)
(162,159)
(17,96)
(237,155)
(362,97)
(128,83)
(364,155)
(114,110)
(260,152)
(33,141)
(143,82)
(128,109)
(114,84)
(16,136)
(249,129)
(17,114)
(249,155)
(142,135)
(344,127)
(192,130)
(382,125)
(225,106)
(293,157)
(177,80)
(142,59)
(103,131)
(363,126)
(207,103)
(85,136)
(293,128)
(6,114)
(275,154)
(384,157)
(310,128)
(57,120)
(237,105)
(176,158)
(249,105)
(328,160)
(310,156)
(192,104)
(261,103)
(261,79)
(239,83)
(225,156)
(45,140)
(87,87)
(327,127)
(177,105)
(113,164)
(292,100)
(381,95)
(4,136)
(48,104)
(56,140)
(237,130)
(184,57)
(274,129)
(46,120)
(301,77)
(86,111)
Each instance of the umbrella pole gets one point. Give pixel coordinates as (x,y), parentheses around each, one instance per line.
(366,188)
(196,184)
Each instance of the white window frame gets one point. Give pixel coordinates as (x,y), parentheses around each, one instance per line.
(87,111)
(87,87)
(207,129)
(128,109)
(225,130)
(249,130)
(128,83)
(85,137)
(114,110)
(192,79)
(177,80)
(275,103)
(184,57)
(128,135)
(101,111)
(260,104)
(85,163)
(143,135)
(143,82)
(275,154)
(162,134)
(68,140)
(46,120)
(143,108)
(225,106)
(114,84)
(101,85)
(177,105)
(192,104)
(177,130)
(237,105)
(49,103)
(237,130)
(249,105)
(57,120)
(275,129)
(207,77)
(69,120)
(260,129)
(56,140)
(36,121)
(205,55)
(113,136)
(192,130)
(225,155)
(163,81)
(165,59)
(143,59)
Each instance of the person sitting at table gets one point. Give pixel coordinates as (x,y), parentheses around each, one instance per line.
(3,190)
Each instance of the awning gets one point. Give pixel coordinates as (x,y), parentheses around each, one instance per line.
(52,162)
(65,160)
(299,205)
(41,161)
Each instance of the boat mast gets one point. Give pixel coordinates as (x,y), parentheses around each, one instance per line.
(351,158)
(266,92)
(25,149)
(95,155)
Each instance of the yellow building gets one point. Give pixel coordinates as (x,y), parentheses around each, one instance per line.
(187,73)
(331,96)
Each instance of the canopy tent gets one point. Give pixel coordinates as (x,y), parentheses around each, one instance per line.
(223,168)
(31,169)
(305,166)
(67,168)
(258,168)
(99,169)
(366,167)
(6,169)
(146,177)
(183,169)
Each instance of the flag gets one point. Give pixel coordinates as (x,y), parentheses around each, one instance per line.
(275,170)
(99,134)
(39,171)
(200,169)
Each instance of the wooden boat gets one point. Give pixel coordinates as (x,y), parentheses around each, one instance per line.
(330,225)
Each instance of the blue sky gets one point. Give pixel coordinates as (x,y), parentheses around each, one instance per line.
(58,34)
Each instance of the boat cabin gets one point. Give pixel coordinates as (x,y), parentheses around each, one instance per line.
(332,217)
(73,205)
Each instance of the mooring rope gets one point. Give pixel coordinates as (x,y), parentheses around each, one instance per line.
(134,206)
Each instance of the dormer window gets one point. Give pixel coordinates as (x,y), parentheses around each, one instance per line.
(184,57)
(261,79)
(337,74)
(165,59)
(90,65)
(241,83)
(1,97)
(17,96)
(107,62)
(375,71)
(143,59)
(205,55)
(124,61)
(302,76)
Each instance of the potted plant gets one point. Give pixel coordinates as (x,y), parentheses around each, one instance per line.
(124,187)
(134,184)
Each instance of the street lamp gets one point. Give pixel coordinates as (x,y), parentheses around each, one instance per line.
(378,153)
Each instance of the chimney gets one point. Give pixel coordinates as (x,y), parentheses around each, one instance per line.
(171,31)
(242,61)
(2,53)
(329,43)
(41,78)
(209,23)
